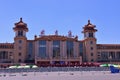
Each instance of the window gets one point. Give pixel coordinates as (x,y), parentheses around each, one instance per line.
(42,49)
(19,60)
(91,42)
(118,55)
(92,60)
(19,54)
(91,48)
(70,49)
(56,48)
(20,33)
(81,49)
(3,55)
(20,41)
(30,50)
(104,55)
(91,54)
(91,34)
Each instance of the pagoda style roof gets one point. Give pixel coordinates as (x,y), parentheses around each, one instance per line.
(6,45)
(56,37)
(108,46)
(20,25)
(89,27)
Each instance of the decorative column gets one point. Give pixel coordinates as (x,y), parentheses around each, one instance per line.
(36,51)
(61,50)
(47,49)
(50,49)
(64,49)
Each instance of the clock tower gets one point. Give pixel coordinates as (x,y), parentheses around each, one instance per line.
(20,41)
(90,54)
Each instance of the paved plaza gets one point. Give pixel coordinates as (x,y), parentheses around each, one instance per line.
(74,75)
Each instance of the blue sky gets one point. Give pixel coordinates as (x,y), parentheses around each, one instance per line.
(61,15)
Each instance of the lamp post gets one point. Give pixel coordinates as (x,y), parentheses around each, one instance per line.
(110,58)
(11,58)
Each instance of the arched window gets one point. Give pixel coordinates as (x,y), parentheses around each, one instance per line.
(20,33)
(91,34)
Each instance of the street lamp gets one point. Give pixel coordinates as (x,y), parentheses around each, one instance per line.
(11,58)
(110,58)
